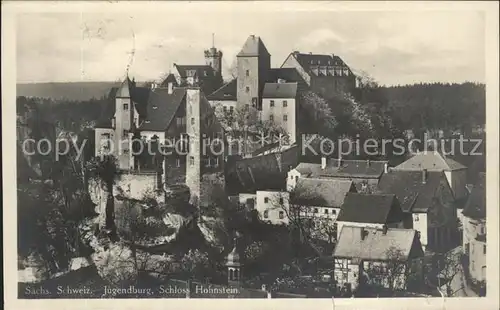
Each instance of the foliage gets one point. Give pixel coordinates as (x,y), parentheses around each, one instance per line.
(390,274)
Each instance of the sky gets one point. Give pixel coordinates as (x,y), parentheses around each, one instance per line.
(393,47)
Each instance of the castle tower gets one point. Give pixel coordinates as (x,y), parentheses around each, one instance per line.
(213,58)
(233,265)
(193,159)
(123,121)
(254,62)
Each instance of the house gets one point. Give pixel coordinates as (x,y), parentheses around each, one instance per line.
(427,196)
(376,256)
(273,206)
(372,210)
(320,200)
(327,75)
(456,173)
(474,230)
(225,96)
(280,107)
(364,173)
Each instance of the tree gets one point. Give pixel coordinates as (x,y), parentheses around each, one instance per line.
(447,267)
(391,274)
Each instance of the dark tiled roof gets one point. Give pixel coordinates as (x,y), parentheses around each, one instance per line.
(476,204)
(138,95)
(321,192)
(253,47)
(249,175)
(400,244)
(412,193)
(432,161)
(169,79)
(280,90)
(367,208)
(309,60)
(199,70)
(159,118)
(226,92)
(348,169)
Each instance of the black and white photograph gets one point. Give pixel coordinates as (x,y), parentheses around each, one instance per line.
(252,150)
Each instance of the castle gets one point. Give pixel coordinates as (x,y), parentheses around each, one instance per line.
(180,110)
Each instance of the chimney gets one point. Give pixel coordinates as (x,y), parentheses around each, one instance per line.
(362,232)
(170,88)
(386,168)
(113,123)
(424,176)
(384,230)
(323,162)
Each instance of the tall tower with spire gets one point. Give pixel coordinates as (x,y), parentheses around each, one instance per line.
(213,57)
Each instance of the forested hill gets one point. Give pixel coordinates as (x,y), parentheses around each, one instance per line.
(438,105)
(73,91)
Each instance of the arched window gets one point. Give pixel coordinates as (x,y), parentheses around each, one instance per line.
(231,274)
(236,274)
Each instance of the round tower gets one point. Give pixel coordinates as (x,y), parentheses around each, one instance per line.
(213,58)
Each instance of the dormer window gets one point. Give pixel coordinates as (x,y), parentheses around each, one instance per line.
(155,107)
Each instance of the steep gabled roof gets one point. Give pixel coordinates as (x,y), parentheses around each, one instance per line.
(413,194)
(226,92)
(249,175)
(162,107)
(475,207)
(314,60)
(169,79)
(280,90)
(395,244)
(201,71)
(253,47)
(432,161)
(128,89)
(321,192)
(367,208)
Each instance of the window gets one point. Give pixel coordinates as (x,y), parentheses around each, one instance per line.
(285,118)
(282,215)
(296,178)
(179,121)
(482,229)
(271,103)
(326,211)
(334,212)
(125,151)
(281,201)
(254,102)
(291,177)
(247,89)
(177,163)
(247,73)
(191,160)
(266,199)
(316,210)
(125,106)
(285,103)
(125,132)
(266,214)
(416,218)
(216,161)
(231,110)
(225,109)
(192,120)
(484,249)
(271,117)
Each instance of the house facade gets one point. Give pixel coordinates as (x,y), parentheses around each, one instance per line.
(327,75)
(474,230)
(280,107)
(427,198)
(383,257)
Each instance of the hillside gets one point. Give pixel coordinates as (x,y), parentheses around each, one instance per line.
(72,91)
